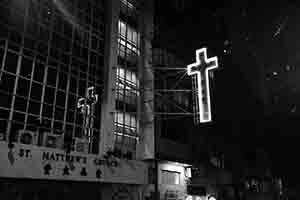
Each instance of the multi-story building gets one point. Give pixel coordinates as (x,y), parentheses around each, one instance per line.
(172,108)
(183,148)
(75,99)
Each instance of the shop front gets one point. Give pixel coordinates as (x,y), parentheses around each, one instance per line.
(173,178)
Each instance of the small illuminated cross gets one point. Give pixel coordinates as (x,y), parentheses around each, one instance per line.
(201,68)
(86,105)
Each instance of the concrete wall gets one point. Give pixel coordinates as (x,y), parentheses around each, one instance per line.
(172,149)
(108,102)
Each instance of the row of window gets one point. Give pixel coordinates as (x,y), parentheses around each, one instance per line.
(47,62)
(62,14)
(127,83)
(58,50)
(26,88)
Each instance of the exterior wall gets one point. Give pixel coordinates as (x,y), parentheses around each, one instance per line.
(146,143)
(178,151)
(108,105)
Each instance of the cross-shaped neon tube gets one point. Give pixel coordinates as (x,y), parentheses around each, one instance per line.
(201,68)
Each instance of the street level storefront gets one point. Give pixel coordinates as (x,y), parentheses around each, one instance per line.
(173,178)
(32,172)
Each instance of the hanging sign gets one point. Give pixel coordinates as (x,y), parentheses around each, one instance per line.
(201,68)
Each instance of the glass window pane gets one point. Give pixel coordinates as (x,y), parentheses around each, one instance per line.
(19,117)
(58,126)
(3,127)
(4,113)
(127,120)
(1,56)
(49,95)
(39,72)
(70,116)
(170,177)
(60,98)
(47,110)
(73,85)
(5,100)
(72,102)
(34,107)
(26,67)
(59,114)
(11,62)
(23,87)
(51,77)
(122,29)
(7,82)
(63,79)
(36,91)
(14,131)
(20,104)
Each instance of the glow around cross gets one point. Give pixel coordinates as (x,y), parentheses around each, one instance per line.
(201,68)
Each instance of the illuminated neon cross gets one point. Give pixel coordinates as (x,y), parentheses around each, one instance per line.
(201,68)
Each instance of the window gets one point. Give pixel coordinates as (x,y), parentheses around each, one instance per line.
(129,41)
(39,70)
(129,9)
(49,95)
(23,87)
(7,82)
(127,86)
(34,107)
(20,104)
(126,121)
(11,62)
(51,80)
(26,67)
(170,177)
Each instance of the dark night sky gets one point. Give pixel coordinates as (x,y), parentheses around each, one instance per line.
(262,35)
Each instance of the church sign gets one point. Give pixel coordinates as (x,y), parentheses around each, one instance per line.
(36,162)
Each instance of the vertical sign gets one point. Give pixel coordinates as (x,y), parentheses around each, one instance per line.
(201,68)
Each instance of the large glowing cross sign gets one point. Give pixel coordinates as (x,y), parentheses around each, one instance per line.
(201,68)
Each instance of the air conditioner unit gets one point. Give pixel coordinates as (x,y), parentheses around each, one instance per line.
(81,145)
(53,141)
(27,137)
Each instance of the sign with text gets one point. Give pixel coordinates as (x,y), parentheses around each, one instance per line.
(35,162)
(201,69)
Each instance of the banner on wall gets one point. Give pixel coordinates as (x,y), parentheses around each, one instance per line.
(28,161)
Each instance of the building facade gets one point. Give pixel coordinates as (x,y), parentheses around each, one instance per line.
(183,146)
(75,84)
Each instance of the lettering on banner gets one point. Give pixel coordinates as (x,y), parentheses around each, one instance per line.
(25,153)
(98,173)
(47,169)
(53,156)
(83,172)
(66,171)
